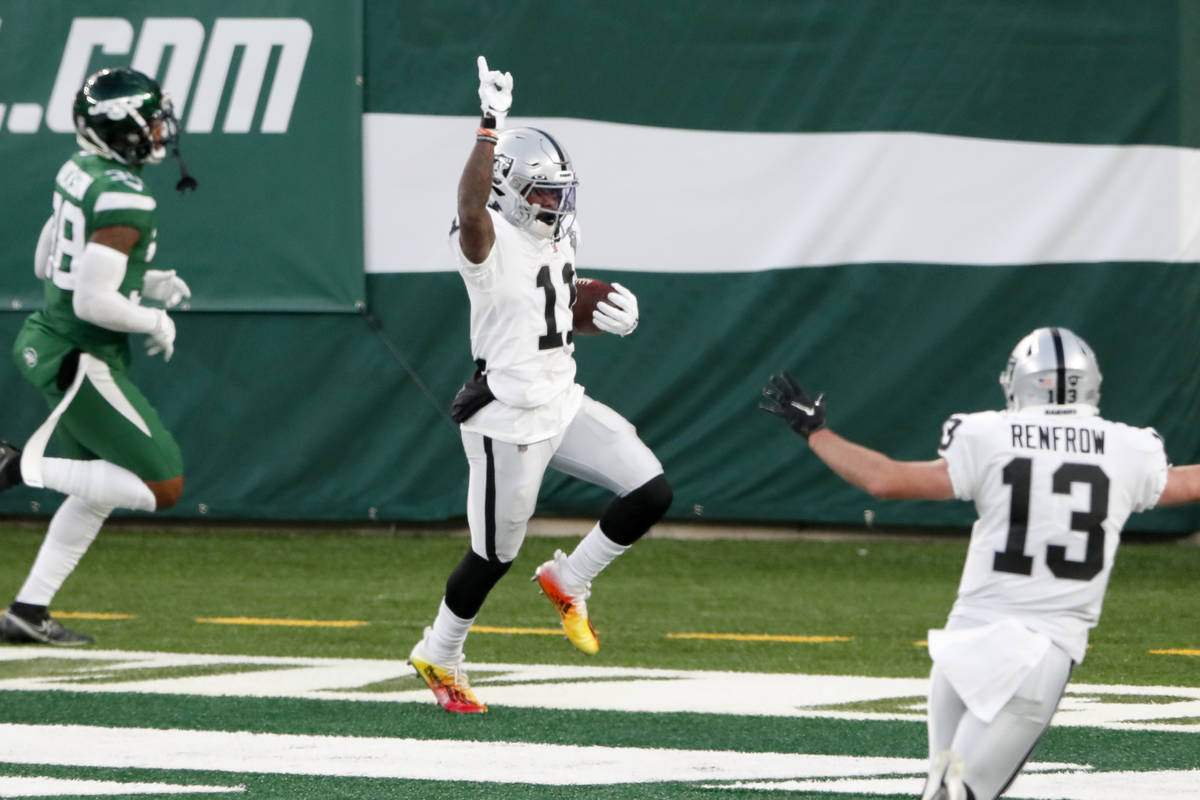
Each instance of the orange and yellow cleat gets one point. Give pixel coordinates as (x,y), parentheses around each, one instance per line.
(449,683)
(572,608)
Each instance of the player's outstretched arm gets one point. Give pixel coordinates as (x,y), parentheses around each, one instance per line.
(880,475)
(870,470)
(475,185)
(1183,486)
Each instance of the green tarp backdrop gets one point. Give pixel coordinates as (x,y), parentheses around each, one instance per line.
(879,195)
(270,104)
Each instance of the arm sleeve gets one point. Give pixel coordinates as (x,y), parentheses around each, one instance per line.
(41,255)
(1155,479)
(97,298)
(956,448)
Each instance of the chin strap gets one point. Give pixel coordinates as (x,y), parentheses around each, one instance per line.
(186,181)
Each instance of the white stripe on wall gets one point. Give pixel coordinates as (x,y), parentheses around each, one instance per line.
(665,200)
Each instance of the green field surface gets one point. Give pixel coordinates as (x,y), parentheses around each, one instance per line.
(297,638)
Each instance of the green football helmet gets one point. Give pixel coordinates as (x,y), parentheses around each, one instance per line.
(116,112)
(124,115)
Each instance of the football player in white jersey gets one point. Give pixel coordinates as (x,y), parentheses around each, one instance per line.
(1053,483)
(514,240)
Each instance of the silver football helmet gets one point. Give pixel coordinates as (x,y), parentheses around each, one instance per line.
(533,182)
(1051,366)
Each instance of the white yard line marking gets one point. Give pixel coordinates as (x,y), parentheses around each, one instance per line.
(416,759)
(586,688)
(39,786)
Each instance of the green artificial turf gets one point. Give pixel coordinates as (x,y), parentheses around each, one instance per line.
(883,594)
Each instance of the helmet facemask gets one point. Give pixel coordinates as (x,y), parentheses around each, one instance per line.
(170,131)
(1051,366)
(533,182)
(552,204)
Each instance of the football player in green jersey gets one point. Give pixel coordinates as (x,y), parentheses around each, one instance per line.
(94,256)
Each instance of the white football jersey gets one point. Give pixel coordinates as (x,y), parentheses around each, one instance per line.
(521,298)
(1053,487)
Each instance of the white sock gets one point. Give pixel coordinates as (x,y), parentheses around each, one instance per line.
(101,483)
(589,558)
(72,529)
(445,639)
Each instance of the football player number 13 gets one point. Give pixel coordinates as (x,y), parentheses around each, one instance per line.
(553,337)
(1018,474)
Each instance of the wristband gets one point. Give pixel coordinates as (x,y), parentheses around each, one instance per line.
(486,135)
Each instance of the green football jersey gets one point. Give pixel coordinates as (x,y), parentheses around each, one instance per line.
(92,192)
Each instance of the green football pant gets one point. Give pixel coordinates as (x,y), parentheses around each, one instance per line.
(109,418)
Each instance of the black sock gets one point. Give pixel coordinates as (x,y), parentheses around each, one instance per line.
(29,612)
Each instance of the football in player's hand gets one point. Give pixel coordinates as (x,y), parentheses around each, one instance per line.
(589,292)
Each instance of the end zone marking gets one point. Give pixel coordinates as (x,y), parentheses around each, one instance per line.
(296,623)
(761,637)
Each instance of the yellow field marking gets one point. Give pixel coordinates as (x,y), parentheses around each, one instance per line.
(761,637)
(1174,652)
(295,623)
(517,631)
(924,643)
(89,615)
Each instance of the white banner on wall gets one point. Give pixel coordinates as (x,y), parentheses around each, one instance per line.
(667,200)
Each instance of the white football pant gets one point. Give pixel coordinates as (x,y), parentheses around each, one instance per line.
(599,446)
(994,752)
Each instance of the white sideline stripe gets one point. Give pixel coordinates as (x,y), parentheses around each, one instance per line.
(109,201)
(38,786)
(670,200)
(415,759)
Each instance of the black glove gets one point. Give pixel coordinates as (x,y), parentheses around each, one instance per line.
(783,397)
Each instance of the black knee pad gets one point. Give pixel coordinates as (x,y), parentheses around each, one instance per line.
(469,583)
(628,517)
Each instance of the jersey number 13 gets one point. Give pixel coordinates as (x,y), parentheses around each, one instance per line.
(1018,474)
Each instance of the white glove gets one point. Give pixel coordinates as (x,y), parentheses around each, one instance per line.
(495,92)
(162,338)
(41,256)
(165,286)
(618,313)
